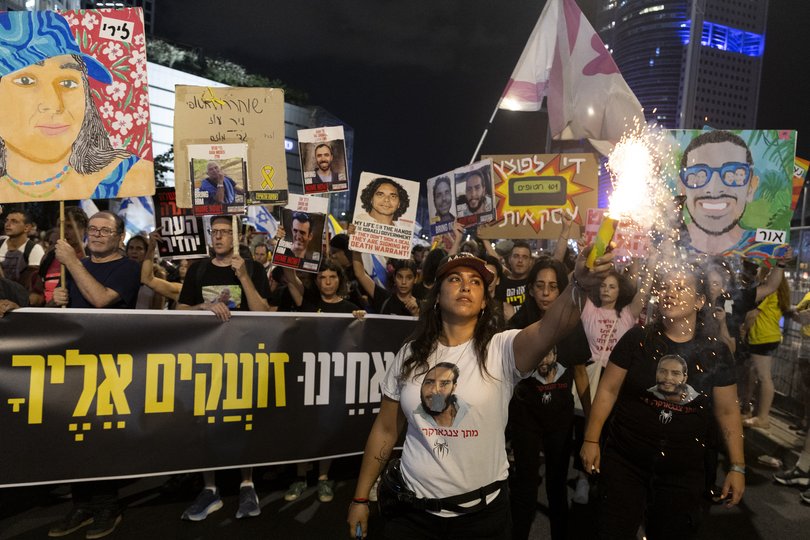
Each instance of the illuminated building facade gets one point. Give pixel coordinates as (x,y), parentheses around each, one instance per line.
(650,39)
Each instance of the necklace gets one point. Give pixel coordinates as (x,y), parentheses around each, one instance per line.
(18,184)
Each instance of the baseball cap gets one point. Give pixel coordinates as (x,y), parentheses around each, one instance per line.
(468,260)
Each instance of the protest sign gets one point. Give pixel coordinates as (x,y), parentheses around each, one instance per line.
(474,193)
(92,139)
(323,159)
(629,241)
(101,399)
(181,231)
(384,215)
(303,218)
(217,174)
(252,116)
(535,191)
(799,176)
(737,188)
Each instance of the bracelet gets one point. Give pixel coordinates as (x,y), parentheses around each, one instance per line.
(737,468)
(360,500)
(592,442)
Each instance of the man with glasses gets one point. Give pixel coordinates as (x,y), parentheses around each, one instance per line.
(219,284)
(105,279)
(717,179)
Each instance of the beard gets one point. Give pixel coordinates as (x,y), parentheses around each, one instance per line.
(726,229)
(437,404)
(679,389)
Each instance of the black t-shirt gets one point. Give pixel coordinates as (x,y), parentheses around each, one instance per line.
(387,303)
(121,275)
(742,301)
(11,290)
(344,306)
(511,291)
(212,283)
(647,428)
(551,404)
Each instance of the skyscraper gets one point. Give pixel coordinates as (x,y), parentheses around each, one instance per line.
(650,41)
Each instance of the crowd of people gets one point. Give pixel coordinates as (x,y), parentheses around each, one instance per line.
(627,369)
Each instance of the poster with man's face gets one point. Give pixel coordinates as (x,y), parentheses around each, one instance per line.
(736,188)
(74,107)
(441,203)
(474,193)
(384,215)
(303,219)
(323,159)
(218,176)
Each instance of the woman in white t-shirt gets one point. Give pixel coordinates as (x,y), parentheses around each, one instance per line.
(451,385)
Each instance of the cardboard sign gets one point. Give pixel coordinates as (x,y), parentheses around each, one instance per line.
(89,136)
(251,116)
(735,183)
(384,215)
(799,176)
(323,159)
(303,219)
(534,191)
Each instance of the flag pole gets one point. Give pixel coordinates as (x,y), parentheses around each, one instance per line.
(486,130)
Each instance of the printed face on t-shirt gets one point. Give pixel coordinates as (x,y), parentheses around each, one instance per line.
(670,377)
(229,295)
(437,391)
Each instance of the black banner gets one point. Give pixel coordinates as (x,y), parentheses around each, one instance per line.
(104,393)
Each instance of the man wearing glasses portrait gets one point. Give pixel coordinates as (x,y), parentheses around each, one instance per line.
(717,179)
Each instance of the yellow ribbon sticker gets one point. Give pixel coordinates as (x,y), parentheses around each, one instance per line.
(268,172)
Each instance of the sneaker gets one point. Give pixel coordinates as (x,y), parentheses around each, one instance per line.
(75,520)
(582,491)
(104,523)
(793,477)
(207,502)
(248,503)
(295,491)
(372,495)
(805,496)
(325,493)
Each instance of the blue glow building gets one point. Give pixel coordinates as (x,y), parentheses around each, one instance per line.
(650,41)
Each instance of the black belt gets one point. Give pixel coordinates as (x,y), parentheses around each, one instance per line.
(453,504)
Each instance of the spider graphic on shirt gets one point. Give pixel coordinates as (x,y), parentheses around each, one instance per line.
(665,417)
(441,447)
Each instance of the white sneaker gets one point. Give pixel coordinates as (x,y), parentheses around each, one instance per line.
(581,491)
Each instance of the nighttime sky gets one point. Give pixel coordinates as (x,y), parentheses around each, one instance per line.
(418,80)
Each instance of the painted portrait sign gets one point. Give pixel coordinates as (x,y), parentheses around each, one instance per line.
(303,218)
(736,187)
(323,159)
(533,193)
(74,108)
(229,115)
(384,215)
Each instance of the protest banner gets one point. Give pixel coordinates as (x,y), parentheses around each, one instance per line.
(217,174)
(324,163)
(96,399)
(534,192)
(304,220)
(253,116)
(384,215)
(629,242)
(737,188)
(182,232)
(92,140)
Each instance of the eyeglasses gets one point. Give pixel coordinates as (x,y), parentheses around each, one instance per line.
(216,233)
(103,231)
(732,174)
